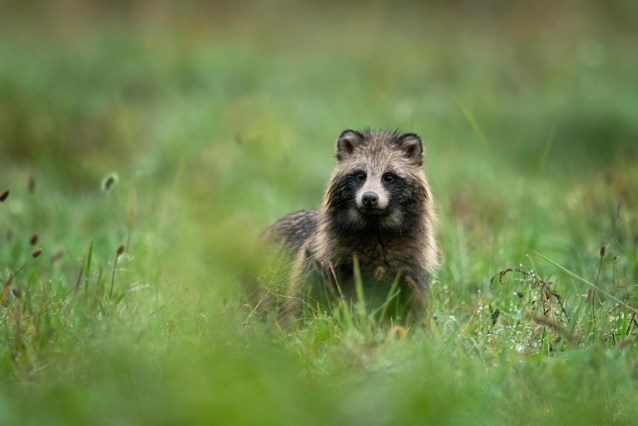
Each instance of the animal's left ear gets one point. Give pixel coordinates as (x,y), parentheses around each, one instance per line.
(412,146)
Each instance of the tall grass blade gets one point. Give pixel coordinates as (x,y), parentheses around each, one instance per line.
(358,284)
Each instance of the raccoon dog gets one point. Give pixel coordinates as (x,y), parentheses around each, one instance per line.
(378,213)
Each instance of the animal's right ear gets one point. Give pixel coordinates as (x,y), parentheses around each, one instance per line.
(347,142)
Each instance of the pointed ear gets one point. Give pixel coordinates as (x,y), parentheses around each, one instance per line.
(412,147)
(347,142)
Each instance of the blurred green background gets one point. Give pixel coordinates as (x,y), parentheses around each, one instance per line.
(217,118)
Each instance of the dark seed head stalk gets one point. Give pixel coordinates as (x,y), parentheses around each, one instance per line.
(109,181)
(57,256)
(31,184)
(5,289)
(118,253)
(592,296)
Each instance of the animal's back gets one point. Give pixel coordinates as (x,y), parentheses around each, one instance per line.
(294,229)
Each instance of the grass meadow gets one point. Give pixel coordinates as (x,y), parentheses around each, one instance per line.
(145,146)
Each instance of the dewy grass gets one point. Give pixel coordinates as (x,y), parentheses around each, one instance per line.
(592,285)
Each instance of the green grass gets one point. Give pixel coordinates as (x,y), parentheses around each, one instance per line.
(218,120)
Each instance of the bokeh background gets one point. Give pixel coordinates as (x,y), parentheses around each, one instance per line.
(225,102)
(213,119)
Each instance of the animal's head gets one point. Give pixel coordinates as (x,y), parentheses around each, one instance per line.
(378,180)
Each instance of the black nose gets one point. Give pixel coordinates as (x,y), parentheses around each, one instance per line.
(370,199)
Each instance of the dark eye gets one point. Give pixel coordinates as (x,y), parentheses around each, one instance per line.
(360,176)
(389,177)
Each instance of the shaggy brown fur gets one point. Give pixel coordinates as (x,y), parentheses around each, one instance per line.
(378,208)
